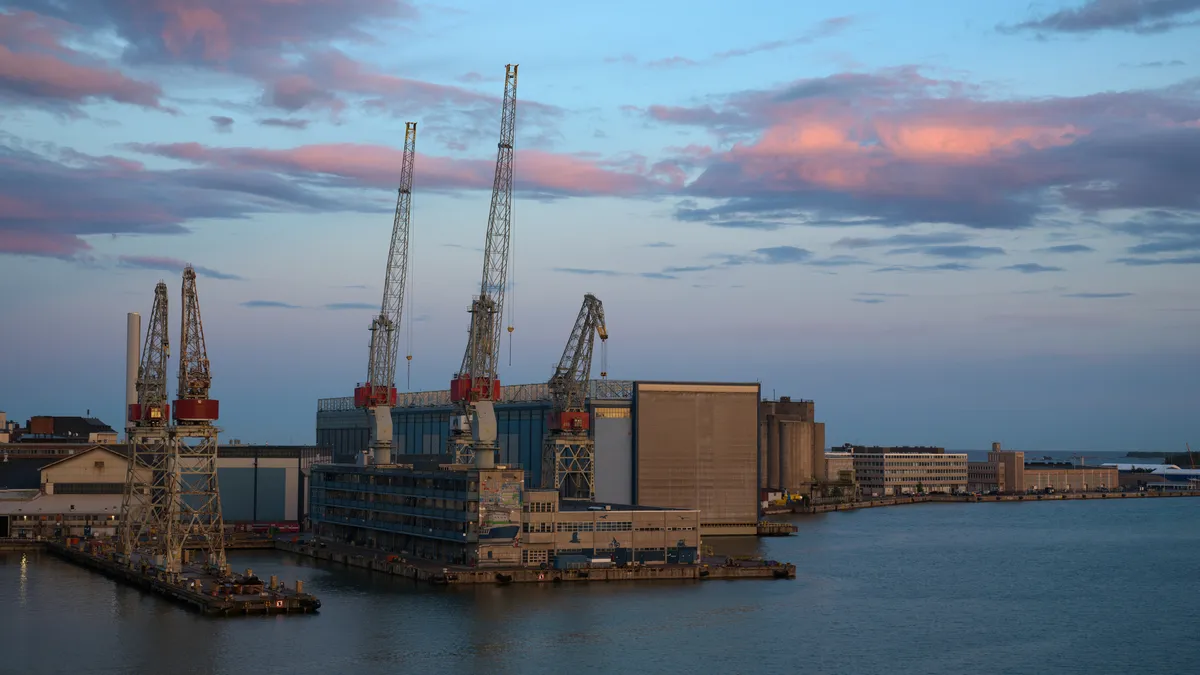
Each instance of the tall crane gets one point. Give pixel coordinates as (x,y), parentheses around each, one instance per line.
(378,394)
(197,500)
(475,387)
(569,452)
(147,482)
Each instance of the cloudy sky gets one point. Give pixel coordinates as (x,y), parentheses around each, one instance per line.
(948,223)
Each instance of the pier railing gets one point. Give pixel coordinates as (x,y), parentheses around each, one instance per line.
(599,390)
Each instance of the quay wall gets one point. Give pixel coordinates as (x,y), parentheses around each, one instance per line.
(424,571)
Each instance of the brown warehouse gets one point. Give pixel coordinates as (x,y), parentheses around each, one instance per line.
(689,445)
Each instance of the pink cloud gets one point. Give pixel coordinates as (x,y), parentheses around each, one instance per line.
(35,67)
(377,166)
(900,147)
(42,244)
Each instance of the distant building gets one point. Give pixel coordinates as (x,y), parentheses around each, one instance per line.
(1068,477)
(1004,471)
(909,471)
(791,447)
(45,429)
(839,467)
(487,518)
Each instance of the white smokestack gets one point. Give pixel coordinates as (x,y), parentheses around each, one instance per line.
(133,339)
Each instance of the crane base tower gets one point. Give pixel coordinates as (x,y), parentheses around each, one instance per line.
(569,466)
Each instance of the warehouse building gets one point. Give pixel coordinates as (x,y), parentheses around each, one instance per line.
(463,515)
(1006,471)
(77,489)
(657,444)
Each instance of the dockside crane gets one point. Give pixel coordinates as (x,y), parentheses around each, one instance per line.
(475,387)
(197,501)
(377,395)
(147,488)
(569,452)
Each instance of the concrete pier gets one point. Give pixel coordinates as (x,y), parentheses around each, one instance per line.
(198,591)
(430,572)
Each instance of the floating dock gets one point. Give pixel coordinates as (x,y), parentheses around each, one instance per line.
(240,595)
(434,573)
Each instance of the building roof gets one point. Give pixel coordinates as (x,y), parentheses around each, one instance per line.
(1139,467)
(52,504)
(102,448)
(598,390)
(576,505)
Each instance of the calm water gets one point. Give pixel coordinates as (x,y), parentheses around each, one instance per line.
(1067,587)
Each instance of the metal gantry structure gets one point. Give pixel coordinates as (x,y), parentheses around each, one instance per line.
(475,388)
(377,396)
(147,483)
(171,501)
(569,452)
(200,523)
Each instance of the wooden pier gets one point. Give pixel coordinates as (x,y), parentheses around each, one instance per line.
(240,596)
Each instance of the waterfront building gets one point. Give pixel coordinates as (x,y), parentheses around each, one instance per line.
(887,473)
(791,447)
(1068,477)
(690,445)
(75,488)
(464,515)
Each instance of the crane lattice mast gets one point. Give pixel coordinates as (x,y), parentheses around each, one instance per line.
(378,394)
(197,501)
(568,453)
(144,503)
(475,388)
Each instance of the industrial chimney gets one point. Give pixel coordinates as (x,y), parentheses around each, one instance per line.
(133,338)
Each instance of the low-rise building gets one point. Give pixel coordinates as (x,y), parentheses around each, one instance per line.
(76,489)
(839,467)
(886,474)
(486,517)
(1068,477)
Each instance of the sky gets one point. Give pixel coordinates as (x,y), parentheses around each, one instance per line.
(947,223)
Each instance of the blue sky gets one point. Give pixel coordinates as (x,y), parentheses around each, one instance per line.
(947,223)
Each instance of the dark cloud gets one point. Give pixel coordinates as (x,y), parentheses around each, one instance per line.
(285,123)
(823,29)
(953,252)
(1134,16)
(1065,248)
(929,239)
(869,301)
(941,267)
(293,50)
(351,305)
(870,294)
(1154,262)
(588,272)
(268,304)
(221,123)
(659,244)
(1158,64)
(148,262)
(657,275)
(1097,296)
(115,196)
(1032,268)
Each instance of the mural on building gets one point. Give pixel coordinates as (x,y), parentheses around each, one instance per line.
(500,504)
